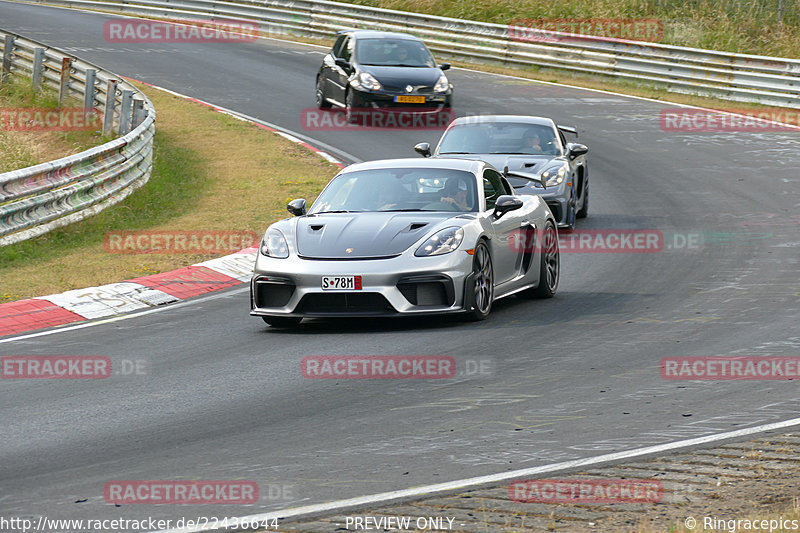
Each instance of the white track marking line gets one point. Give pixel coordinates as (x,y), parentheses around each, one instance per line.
(472,482)
(290,135)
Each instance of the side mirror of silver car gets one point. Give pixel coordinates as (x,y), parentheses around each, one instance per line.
(505,204)
(297,207)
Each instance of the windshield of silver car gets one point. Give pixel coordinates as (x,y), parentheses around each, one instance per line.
(399,189)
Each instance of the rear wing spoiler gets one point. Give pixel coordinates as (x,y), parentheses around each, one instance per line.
(568,129)
(525,176)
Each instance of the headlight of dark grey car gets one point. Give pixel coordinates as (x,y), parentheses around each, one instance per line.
(555,175)
(365,80)
(441,242)
(274,245)
(442,85)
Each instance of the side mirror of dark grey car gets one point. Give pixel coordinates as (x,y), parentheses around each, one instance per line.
(343,64)
(444,66)
(505,204)
(575,150)
(423,149)
(297,207)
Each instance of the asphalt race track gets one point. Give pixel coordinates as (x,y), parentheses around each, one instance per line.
(576,376)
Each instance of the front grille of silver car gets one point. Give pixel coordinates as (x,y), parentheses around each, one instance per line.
(427,291)
(361,303)
(272,294)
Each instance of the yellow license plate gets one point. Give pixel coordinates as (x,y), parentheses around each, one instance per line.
(409,99)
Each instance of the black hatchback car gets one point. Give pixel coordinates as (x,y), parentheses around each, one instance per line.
(382,70)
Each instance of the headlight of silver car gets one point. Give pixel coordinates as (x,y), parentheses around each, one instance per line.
(441,242)
(274,245)
(365,80)
(555,175)
(442,85)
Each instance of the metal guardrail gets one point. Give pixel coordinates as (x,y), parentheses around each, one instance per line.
(40,198)
(738,77)
(37,199)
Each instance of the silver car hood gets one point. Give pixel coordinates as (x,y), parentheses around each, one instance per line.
(363,235)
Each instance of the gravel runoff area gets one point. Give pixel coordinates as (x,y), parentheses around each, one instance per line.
(703,488)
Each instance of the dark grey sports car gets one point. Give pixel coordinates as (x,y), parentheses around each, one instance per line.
(406,237)
(528,144)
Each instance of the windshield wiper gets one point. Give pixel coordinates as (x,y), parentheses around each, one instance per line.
(336,211)
(458,152)
(400,210)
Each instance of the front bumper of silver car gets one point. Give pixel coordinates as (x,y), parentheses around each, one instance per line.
(402,285)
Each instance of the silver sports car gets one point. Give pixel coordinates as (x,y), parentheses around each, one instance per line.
(406,237)
(528,144)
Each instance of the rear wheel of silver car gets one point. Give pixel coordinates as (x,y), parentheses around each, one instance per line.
(482,283)
(322,103)
(549,265)
(282,321)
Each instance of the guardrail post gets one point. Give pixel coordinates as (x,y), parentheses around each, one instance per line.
(108,113)
(8,50)
(138,112)
(88,92)
(38,64)
(125,112)
(63,86)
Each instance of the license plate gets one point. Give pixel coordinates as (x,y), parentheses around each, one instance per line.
(341,283)
(409,99)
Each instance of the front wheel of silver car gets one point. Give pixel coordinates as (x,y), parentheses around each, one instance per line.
(482,283)
(282,321)
(549,265)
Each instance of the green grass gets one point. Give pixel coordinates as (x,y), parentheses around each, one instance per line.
(211,172)
(175,184)
(742,26)
(20,149)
